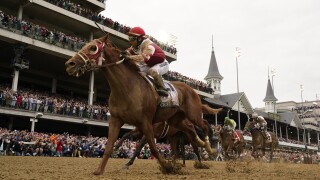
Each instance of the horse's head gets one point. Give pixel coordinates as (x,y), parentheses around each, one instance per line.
(249,126)
(216,130)
(91,56)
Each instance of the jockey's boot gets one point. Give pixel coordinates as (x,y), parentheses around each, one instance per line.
(162,91)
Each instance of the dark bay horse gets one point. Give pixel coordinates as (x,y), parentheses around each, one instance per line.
(163,130)
(133,101)
(229,148)
(259,141)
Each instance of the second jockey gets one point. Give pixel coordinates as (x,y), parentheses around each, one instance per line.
(149,57)
(261,124)
(230,125)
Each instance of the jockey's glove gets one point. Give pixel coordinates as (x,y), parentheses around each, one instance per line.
(123,56)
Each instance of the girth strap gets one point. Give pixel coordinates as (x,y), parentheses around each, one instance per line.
(165,130)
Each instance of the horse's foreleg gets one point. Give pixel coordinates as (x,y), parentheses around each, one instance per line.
(253,152)
(173,141)
(195,147)
(229,153)
(114,129)
(136,153)
(149,135)
(263,149)
(271,152)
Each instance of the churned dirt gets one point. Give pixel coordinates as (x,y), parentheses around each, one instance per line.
(44,168)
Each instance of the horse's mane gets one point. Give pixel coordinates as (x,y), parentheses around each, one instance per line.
(132,65)
(127,62)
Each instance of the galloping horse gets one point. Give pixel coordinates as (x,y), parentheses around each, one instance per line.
(227,143)
(134,101)
(162,130)
(259,141)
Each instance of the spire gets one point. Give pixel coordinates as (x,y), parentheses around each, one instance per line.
(269,95)
(212,42)
(213,67)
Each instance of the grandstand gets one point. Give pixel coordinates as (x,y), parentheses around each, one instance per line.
(38,36)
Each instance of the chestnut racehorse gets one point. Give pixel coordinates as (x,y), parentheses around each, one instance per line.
(229,148)
(134,101)
(259,141)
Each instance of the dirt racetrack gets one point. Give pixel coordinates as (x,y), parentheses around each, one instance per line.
(44,168)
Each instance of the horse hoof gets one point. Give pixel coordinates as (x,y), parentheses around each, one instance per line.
(171,168)
(199,165)
(125,167)
(97,172)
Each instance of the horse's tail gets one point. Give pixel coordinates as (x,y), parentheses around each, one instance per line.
(208,110)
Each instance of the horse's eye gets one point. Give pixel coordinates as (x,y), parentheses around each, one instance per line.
(93,49)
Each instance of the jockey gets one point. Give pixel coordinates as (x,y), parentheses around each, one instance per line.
(149,57)
(230,125)
(261,124)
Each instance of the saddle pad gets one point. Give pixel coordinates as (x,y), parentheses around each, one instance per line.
(236,135)
(172,99)
(268,135)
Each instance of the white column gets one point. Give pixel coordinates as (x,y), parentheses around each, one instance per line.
(20,12)
(298,134)
(91,92)
(216,118)
(318,138)
(91,83)
(15,80)
(309,137)
(287,133)
(33,123)
(54,86)
(280,131)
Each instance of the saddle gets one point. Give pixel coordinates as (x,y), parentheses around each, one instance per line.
(266,135)
(170,101)
(234,135)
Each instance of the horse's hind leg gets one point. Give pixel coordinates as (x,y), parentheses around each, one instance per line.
(205,126)
(114,129)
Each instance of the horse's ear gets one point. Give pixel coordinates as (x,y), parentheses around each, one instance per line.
(104,38)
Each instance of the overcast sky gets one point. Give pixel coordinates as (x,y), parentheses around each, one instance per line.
(280,34)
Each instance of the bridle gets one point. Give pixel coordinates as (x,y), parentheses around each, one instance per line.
(98,59)
(248,127)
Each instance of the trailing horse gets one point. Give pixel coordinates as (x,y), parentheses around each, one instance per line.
(259,141)
(174,137)
(133,101)
(229,147)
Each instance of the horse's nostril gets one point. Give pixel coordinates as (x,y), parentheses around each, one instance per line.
(70,64)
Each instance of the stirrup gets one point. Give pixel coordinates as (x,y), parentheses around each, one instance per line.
(162,92)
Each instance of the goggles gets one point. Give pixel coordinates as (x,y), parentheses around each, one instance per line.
(132,38)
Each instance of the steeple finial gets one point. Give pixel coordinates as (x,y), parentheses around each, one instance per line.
(212,42)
